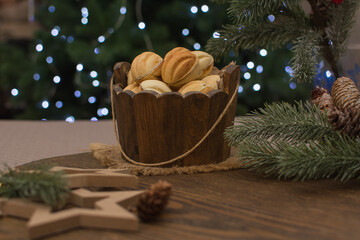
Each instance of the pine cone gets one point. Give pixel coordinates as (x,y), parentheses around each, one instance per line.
(346,122)
(317,92)
(320,97)
(151,203)
(346,117)
(345,95)
(343,108)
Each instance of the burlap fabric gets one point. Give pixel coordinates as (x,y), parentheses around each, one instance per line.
(110,157)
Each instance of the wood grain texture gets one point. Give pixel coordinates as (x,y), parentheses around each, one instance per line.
(125,117)
(231,78)
(120,71)
(218,101)
(148,120)
(123,106)
(103,210)
(230,205)
(171,125)
(196,124)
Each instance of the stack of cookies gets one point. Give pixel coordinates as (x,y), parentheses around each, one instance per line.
(180,70)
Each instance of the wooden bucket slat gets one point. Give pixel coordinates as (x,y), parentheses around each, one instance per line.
(120,72)
(218,101)
(148,121)
(126,123)
(231,78)
(172,127)
(196,122)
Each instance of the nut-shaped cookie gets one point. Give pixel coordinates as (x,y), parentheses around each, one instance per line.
(206,63)
(155,85)
(135,87)
(196,85)
(212,81)
(176,50)
(145,66)
(180,67)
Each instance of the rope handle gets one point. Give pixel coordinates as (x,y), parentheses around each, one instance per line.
(127,158)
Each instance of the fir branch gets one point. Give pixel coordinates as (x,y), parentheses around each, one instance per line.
(323,33)
(271,36)
(245,11)
(37,185)
(251,31)
(337,157)
(220,1)
(306,57)
(218,47)
(281,121)
(341,21)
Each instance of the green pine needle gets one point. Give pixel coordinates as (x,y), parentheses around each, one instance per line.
(341,21)
(246,11)
(271,36)
(306,56)
(294,142)
(37,185)
(281,121)
(337,158)
(251,29)
(243,12)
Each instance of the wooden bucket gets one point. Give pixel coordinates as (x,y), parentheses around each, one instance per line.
(154,130)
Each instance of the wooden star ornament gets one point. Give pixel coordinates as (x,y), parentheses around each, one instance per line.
(113,178)
(106,210)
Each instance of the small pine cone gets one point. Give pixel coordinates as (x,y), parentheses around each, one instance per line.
(151,203)
(317,93)
(345,121)
(320,97)
(345,95)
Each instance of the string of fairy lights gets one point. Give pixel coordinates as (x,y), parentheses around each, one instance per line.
(247,69)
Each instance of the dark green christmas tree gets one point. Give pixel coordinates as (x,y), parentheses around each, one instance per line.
(64,72)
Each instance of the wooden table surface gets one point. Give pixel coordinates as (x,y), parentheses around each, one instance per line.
(230,205)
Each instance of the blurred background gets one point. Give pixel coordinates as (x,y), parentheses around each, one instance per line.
(56,56)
